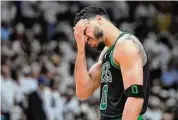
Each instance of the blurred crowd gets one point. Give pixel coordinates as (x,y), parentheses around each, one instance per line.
(38,53)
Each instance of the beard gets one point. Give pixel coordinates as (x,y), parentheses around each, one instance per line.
(98,32)
(100,46)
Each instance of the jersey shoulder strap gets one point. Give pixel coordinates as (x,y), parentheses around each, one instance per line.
(112,49)
(121,34)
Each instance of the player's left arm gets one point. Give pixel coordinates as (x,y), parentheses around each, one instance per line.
(128,56)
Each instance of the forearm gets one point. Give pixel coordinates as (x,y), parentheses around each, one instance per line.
(82,79)
(132,108)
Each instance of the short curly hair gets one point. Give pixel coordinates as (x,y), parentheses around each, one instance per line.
(91,12)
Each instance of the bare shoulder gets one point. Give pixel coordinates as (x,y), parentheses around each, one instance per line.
(130,44)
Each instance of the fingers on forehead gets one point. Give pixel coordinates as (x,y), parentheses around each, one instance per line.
(82,21)
(79,22)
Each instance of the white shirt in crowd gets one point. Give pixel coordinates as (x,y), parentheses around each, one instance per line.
(72,106)
(53,105)
(28,84)
(9,93)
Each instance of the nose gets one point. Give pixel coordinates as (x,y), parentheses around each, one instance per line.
(94,46)
(89,42)
(91,45)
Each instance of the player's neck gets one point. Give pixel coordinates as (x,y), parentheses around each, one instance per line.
(112,34)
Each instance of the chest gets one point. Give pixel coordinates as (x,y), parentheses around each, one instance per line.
(109,72)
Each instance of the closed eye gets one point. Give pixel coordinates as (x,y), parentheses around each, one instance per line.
(88,39)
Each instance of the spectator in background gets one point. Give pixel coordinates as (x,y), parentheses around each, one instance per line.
(17,110)
(154,111)
(170,77)
(164,17)
(19,33)
(168,116)
(39,36)
(30,12)
(21,43)
(5,31)
(141,16)
(45,74)
(53,102)
(71,102)
(8,12)
(9,92)
(36,109)
(28,84)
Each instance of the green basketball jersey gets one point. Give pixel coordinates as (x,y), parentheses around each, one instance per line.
(112,98)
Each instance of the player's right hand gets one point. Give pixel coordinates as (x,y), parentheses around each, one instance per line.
(79,33)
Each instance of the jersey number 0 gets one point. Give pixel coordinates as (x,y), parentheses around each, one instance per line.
(103,104)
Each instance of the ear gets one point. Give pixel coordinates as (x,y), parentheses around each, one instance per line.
(99,19)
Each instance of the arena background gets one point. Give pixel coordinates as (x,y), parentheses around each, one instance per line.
(38,53)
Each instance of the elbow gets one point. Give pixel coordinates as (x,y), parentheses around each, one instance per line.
(81,96)
(83,91)
(132,108)
(136,104)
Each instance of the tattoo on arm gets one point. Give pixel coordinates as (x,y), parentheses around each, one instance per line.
(139,47)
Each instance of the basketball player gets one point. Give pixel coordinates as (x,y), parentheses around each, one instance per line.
(122,70)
